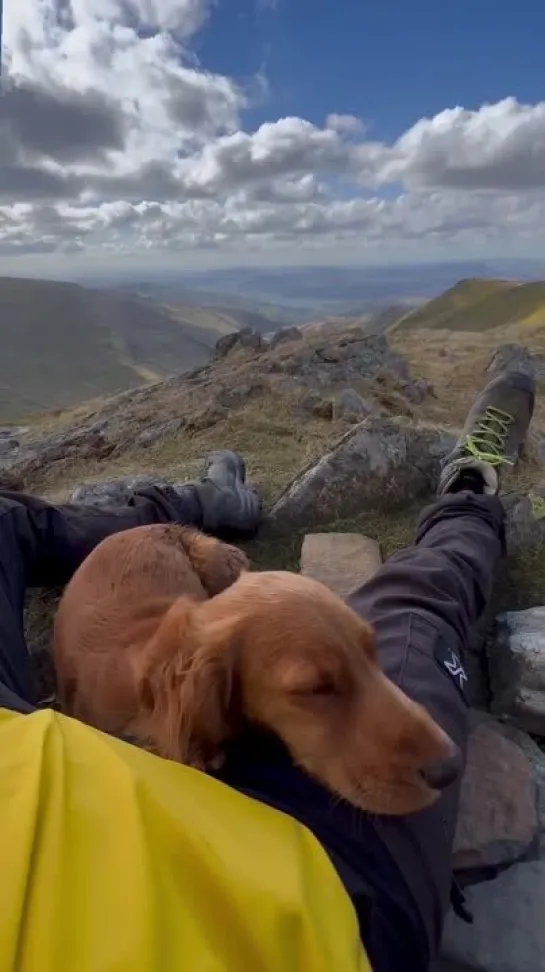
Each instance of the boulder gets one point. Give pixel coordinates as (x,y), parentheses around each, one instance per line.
(315,404)
(508,930)
(417,391)
(232,396)
(516,357)
(13,431)
(517,667)
(351,406)
(326,363)
(310,399)
(526,522)
(113,492)
(83,442)
(498,818)
(536,756)
(225,344)
(246,338)
(285,334)
(158,433)
(379,465)
(8,444)
(341,561)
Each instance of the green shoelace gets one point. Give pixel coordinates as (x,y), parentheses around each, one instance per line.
(487,442)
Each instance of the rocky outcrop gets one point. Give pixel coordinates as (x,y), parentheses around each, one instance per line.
(516,357)
(508,930)
(498,819)
(416,391)
(283,335)
(246,338)
(112,492)
(350,406)
(379,465)
(84,443)
(517,667)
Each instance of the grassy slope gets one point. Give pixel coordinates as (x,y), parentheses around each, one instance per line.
(476,305)
(61,344)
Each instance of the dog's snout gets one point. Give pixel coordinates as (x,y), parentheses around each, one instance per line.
(444,772)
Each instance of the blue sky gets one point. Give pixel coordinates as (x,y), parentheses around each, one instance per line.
(389,62)
(221,132)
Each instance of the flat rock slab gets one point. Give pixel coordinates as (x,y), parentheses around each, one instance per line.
(341,561)
(498,818)
(517,668)
(508,930)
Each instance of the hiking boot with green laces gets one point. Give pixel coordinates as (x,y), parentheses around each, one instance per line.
(492,436)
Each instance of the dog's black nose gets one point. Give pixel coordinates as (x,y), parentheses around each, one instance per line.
(442,774)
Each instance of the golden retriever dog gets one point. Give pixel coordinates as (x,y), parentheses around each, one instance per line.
(163,634)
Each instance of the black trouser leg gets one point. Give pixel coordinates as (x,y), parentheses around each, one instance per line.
(42,545)
(423,604)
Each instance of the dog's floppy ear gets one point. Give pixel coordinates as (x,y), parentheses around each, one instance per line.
(187,688)
(217,564)
(210,697)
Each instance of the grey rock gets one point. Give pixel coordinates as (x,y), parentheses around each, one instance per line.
(417,391)
(536,756)
(349,359)
(13,432)
(285,334)
(379,465)
(348,404)
(534,446)
(8,445)
(498,817)
(234,395)
(315,404)
(525,525)
(508,930)
(310,399)
(158,433)
(113,492)
(84,442)
(207,417)
(517,667)
(246,338)
(516,357)
(225,344)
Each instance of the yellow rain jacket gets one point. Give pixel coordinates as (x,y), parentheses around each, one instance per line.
(113,860)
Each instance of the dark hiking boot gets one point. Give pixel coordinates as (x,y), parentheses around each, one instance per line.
(228,505)
(492,436)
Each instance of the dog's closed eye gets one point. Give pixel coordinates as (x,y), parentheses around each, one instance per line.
(304,678)
(323,685)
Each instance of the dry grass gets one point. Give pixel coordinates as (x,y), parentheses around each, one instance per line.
(456,362)
(479,305)
(268,432)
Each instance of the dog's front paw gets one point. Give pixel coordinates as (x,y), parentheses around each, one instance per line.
(216,763)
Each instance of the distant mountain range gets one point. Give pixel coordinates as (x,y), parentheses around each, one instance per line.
(315,292)
(63,343)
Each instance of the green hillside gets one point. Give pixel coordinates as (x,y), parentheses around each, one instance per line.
(63,343)
(476,305)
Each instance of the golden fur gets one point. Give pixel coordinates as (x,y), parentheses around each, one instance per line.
(163,635)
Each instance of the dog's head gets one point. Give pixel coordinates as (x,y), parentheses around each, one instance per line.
(282,651)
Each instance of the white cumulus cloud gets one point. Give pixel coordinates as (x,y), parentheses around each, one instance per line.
(115,139)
